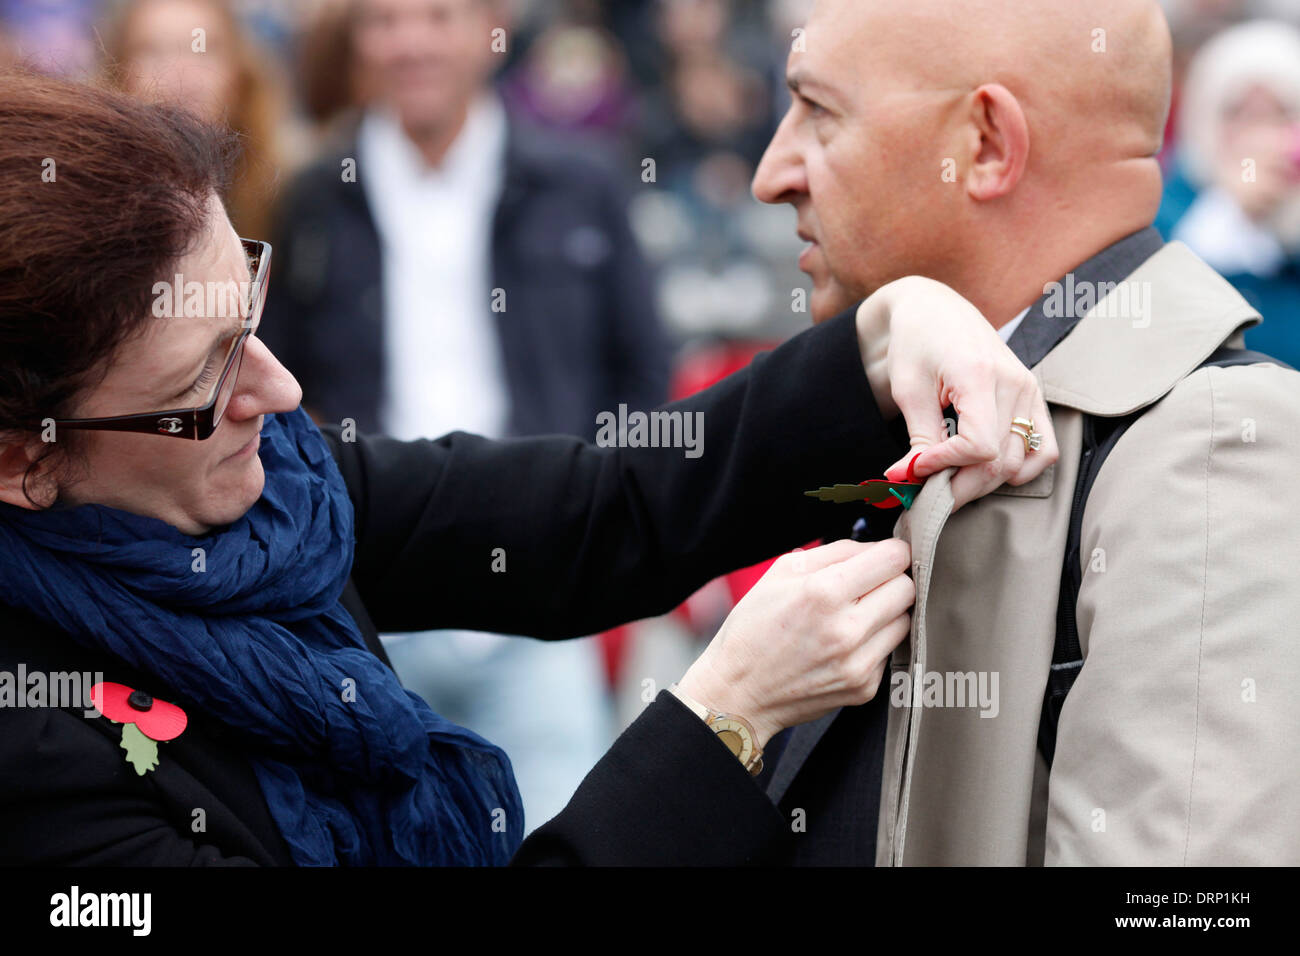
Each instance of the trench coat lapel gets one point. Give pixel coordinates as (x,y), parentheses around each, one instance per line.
(965,790)
(1091,363)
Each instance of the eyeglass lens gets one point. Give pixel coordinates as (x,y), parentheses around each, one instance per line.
(228,386)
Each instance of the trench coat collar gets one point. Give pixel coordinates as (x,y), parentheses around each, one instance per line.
(1123,328)
(1161,314)
(1089,361)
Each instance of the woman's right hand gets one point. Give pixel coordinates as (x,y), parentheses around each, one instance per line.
(814,634)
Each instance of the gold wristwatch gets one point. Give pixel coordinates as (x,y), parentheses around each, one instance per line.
(736,733)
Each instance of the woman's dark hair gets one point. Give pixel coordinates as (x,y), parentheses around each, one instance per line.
(100,196)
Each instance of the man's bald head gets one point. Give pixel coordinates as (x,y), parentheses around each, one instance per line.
(1107,60)
(935,136)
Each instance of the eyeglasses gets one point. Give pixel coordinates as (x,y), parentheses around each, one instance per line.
(198,423)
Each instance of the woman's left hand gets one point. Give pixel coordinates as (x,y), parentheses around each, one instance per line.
(925,347)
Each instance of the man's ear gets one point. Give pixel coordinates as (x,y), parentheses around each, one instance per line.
(17,453)
(1003,150)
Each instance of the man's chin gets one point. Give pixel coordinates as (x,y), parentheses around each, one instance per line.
(829,301)
(423,112)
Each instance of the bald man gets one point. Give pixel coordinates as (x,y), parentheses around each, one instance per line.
(1009,151)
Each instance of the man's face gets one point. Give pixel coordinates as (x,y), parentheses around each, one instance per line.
(425,58)
(860,157)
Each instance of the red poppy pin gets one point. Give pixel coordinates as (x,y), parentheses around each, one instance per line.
(146,721)
(877,493)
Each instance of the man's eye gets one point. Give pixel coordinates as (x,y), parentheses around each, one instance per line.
(814,108)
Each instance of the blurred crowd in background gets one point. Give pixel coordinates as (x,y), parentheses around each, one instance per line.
(543,223)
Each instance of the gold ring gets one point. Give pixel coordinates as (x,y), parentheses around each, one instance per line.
(1033,440)
(1027,423)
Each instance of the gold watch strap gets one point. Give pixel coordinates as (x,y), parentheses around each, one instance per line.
(706,714)
(696,707)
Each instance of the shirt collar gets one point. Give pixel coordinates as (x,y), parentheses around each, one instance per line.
(477,153)
(1009,329)
(1037,333)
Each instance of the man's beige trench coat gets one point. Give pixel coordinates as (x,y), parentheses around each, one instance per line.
(1180,742)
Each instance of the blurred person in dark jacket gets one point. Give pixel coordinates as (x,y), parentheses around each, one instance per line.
(448,269)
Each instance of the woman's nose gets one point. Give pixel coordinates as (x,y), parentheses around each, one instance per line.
(265,387)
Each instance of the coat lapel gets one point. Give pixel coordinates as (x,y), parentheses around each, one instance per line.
(957,789)
(1097,360)
(920,527)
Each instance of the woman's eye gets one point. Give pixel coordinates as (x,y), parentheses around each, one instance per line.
(205,380)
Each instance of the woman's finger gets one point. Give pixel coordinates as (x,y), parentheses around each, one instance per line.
(976,439)
(884,603)
(868,663)
(886,638)
(1036,462)
(976,481)
(918,401)
(812,560)
(863,574)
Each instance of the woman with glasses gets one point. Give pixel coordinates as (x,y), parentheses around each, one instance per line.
(176,533)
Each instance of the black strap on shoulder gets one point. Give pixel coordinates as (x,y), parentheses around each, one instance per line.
(1100,435)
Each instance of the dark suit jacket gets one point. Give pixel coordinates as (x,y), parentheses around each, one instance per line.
(592,537)
(579,333)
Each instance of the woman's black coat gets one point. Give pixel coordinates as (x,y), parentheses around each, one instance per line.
(591,536)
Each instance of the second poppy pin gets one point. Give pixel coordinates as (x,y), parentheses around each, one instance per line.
(146,721)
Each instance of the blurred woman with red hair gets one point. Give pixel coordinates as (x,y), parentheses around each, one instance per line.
(196,54)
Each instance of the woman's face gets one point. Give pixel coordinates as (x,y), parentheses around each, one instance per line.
(167,60)
(1259,153)
(192,485)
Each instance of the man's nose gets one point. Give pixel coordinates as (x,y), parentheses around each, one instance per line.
(264,386)
(780,175)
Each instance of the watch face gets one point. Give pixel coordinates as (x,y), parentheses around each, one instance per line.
(736,736)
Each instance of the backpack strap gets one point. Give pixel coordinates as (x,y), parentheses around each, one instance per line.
(1100,436)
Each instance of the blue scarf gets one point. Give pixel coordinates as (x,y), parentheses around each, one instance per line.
(355,770)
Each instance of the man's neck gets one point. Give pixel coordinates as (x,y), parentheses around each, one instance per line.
(435,140)
(1005,293)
